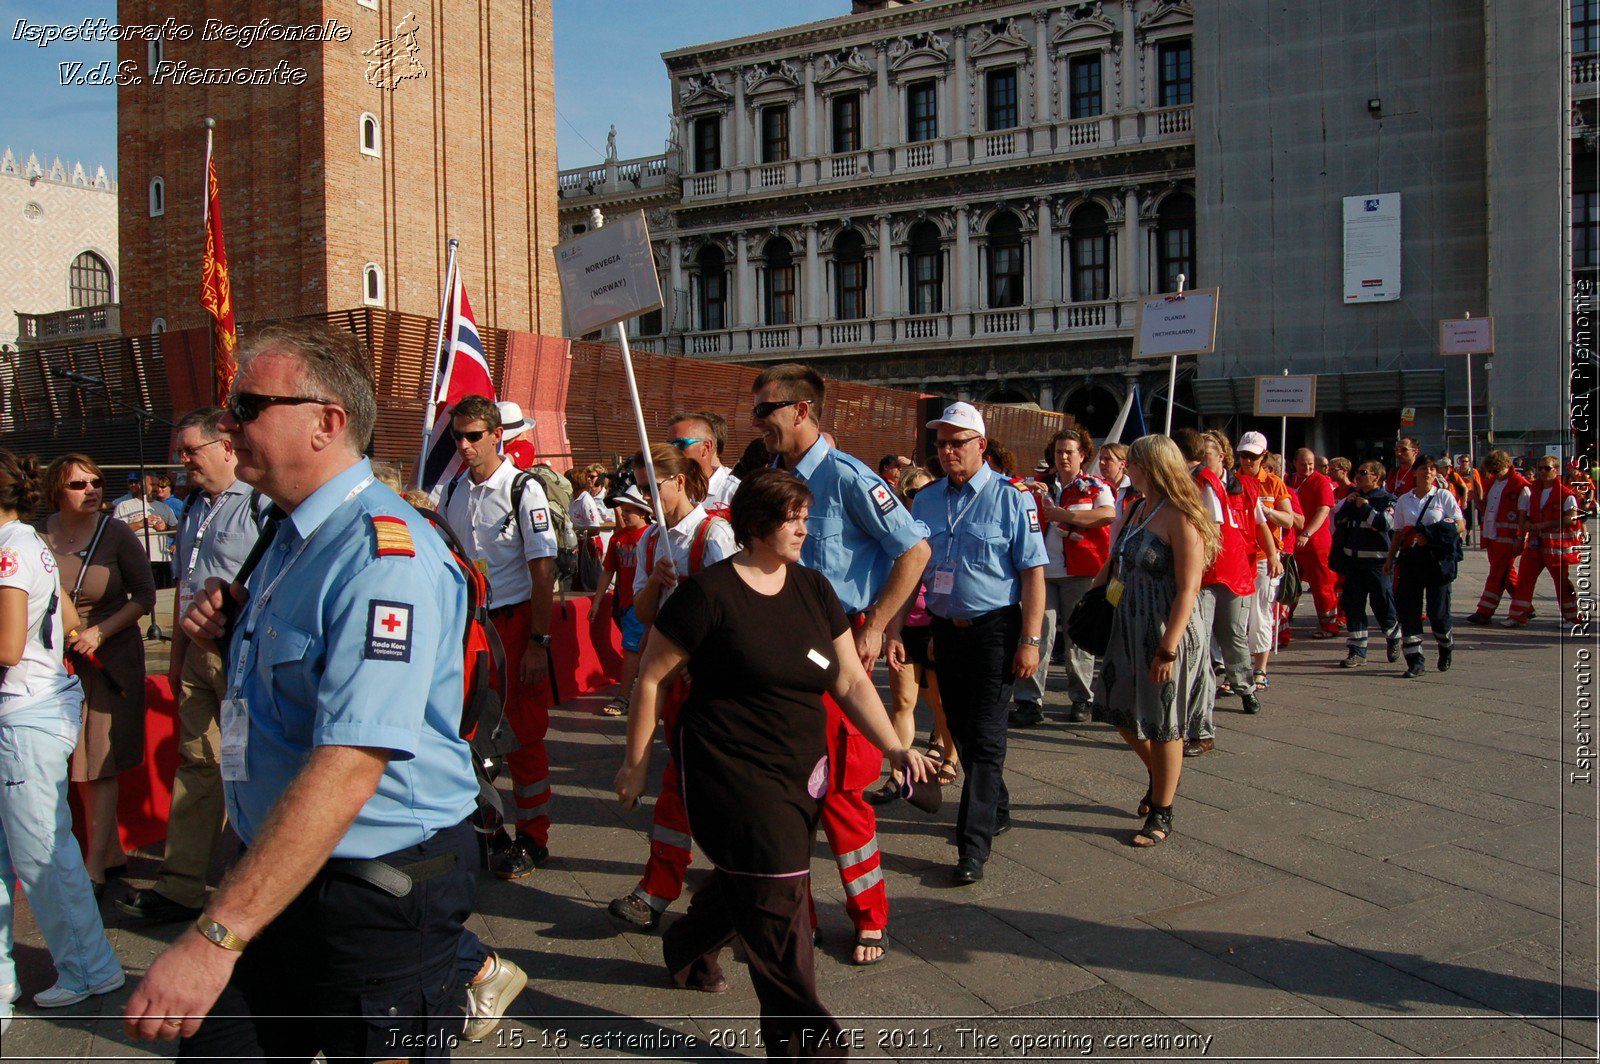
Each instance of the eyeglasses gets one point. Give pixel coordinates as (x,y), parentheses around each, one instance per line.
(647,493)
(762,411)
(245,407)
(471,435)
(1366,472)
(186,453)
(83,485)
(683,442)
(1548,468)
(955,445)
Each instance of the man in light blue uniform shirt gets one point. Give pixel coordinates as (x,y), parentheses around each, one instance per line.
(873,552)
(343,768)
(985,589)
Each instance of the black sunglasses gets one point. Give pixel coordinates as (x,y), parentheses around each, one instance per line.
(471,435)
(762,411)
(247,406)
(80,485)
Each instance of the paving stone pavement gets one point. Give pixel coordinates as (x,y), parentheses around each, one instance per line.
(1372,868)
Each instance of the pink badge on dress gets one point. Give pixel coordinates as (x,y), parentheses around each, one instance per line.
(817,785)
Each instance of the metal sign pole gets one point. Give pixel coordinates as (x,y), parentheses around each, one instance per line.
(597,220)
(1172,375)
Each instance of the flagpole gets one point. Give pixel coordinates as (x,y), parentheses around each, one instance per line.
(205,227)
(596,221)
(429,412)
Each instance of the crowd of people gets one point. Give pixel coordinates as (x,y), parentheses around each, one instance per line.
(318,661)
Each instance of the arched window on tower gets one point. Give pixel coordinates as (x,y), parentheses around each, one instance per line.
(372,285)
(713,301)
(158,197)
(927,269)
(850,276)
(1005,261)
(371,141)
(89,281)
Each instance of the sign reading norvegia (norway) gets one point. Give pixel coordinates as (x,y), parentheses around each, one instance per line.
(608,275)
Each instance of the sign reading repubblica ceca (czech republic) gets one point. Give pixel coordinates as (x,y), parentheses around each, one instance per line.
(1176,323)
(1286,396)
(608,275)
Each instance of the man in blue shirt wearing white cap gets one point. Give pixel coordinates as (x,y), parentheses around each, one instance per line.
(985,589)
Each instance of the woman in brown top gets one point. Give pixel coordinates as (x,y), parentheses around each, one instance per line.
(112,587)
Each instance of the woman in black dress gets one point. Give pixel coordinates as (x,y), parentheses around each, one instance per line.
(763,638)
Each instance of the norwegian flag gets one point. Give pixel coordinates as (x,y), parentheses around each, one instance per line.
(465,372)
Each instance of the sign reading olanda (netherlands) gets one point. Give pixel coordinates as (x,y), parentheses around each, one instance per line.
(608,275)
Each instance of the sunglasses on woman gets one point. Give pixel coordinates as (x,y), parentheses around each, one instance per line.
(84,485)
(245,407)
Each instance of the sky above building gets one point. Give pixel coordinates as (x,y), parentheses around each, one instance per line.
(608,71)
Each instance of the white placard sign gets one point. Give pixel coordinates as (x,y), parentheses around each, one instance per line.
(1372,248)
(608,275)
(1292,396)
(1466,336)
(1177,324)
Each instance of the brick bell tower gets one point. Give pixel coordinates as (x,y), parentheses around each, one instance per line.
(353,138)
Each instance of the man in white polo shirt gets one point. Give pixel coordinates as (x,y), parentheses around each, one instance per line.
(696,435)
(502,518)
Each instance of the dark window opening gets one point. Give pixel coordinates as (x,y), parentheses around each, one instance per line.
(846,123)
(1084,76)
(1000,97)
(922,111)
(1005,261)
(1177,74)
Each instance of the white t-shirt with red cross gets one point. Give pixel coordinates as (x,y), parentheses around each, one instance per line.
(27,565)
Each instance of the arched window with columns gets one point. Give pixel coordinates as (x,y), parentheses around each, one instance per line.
(927,269)
(711,302)
(1175,242)
(850,276)
(1089,255)
(778,282)
(1004,259)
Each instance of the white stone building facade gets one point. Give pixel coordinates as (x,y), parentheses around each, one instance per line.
(58,249)
(961,196)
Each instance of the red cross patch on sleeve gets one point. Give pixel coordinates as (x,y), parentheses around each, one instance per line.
(393,536)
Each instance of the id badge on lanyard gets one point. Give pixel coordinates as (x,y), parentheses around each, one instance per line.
(944,575)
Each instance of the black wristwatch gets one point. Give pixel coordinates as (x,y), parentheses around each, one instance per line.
(542,640)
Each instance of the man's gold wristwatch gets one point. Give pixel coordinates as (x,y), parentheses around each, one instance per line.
(218,935)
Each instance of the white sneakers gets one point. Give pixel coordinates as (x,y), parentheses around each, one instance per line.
(59,998)
(489,997)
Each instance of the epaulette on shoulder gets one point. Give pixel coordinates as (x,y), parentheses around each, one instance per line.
(1020,484)
(392,535)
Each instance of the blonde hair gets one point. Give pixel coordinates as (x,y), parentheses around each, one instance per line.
(1224,448)
(1167,475)
(914,477)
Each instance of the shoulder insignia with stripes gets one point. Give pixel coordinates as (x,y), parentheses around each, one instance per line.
(393,536)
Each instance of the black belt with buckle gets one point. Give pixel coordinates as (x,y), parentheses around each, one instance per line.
(391,879)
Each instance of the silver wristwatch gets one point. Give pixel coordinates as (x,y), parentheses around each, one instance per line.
(1032,641)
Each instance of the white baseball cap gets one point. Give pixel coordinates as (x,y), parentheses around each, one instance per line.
(511,419)
(1253,442)
(961,416)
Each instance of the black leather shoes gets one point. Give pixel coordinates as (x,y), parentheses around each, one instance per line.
(150,904)
(1414,669)
(968,871)
(1001,826)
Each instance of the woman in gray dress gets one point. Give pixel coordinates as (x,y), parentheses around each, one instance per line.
(1156,672)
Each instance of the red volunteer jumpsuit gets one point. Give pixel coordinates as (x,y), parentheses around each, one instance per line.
(1552,549)
(670,841)
(1311,553)
(1502,538)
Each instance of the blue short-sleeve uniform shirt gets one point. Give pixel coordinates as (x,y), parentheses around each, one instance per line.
(355,646)
(987,533)
(857,526)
